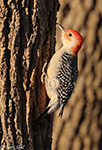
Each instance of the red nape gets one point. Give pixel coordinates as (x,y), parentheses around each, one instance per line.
(78,36)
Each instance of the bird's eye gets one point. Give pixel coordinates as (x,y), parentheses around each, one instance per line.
(69,34)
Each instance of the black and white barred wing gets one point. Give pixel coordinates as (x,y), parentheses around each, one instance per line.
(67,76)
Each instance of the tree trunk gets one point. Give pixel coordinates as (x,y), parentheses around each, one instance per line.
(81,125)
(27,37)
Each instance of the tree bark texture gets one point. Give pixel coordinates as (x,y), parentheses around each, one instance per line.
(81,125)
(27,37)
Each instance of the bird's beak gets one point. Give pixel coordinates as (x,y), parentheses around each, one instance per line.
(62,28)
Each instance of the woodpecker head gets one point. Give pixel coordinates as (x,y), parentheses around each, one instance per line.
(72,40)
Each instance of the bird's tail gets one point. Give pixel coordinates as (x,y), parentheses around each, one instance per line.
(42,115)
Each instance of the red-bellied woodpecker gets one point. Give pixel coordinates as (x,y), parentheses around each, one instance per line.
(62,71)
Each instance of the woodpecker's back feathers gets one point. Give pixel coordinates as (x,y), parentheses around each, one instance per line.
(67,76)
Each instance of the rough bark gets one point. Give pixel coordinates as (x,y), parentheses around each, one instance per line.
(81,125)
(27,37)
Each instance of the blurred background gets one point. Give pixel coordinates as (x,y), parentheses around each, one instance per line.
(81,125)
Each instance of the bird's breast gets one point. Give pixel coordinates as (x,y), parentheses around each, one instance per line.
(54,65)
